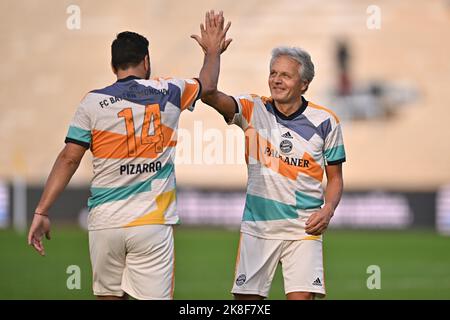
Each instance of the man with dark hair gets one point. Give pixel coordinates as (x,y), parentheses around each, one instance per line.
(131,129)
(128,50)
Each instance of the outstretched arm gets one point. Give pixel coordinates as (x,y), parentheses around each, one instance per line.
(65,166)
(213,42)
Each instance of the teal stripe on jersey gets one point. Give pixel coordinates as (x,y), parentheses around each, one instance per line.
(103,195)
(305,202)
(79,134)
(261,209)
(336,153)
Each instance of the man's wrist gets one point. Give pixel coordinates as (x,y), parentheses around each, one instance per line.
(329,209)
(213,52)
(41,212)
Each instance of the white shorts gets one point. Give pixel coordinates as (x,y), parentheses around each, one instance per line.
(257,260)
(138,261)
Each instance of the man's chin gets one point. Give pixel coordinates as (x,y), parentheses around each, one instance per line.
(279,99)
(276,96)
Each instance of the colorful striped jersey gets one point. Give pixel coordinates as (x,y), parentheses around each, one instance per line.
(131,129)
(286,158)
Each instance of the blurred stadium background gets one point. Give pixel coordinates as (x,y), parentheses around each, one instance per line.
(383,66)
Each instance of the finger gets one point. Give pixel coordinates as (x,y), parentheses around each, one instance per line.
(196,38)
(202,29)
(30,237)
(227,43)
(222,20)
(42,250)
(313,232)
(311,218)
(47,235)
(320,231)
(227,27)
(207,19)
(217,20)
(213,18)
(313,224)
(316,228)
(38,246)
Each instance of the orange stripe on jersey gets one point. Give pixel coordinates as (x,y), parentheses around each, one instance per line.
(259,148)
(110,145)
(247,109)
(315,106)
(266,100)
(189,94)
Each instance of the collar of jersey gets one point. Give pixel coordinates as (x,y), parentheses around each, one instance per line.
(128,78)
(281,115)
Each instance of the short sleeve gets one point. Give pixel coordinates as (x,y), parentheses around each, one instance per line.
(80,127)
(190,91)
(244,111)
(334,150)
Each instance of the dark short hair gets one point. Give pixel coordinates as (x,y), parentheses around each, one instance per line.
(128,50)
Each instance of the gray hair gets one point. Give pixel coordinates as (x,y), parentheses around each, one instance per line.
(306,69)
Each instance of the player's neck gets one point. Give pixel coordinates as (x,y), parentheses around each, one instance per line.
(122,74)
(288,108)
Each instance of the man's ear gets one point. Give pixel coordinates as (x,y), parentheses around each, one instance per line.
(147,62)
(114,70)
(304,87)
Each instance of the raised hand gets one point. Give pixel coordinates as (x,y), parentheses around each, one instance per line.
(212,37)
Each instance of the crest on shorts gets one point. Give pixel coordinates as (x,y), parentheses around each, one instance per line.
(241,279)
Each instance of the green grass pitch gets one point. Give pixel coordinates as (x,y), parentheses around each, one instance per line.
(414,265)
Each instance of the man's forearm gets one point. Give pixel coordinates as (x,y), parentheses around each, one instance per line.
(59,177)
(209,74)
(333,193)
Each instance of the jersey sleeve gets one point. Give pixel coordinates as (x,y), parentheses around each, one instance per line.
(189,91)
(244,111)
(80,127)
(334,152)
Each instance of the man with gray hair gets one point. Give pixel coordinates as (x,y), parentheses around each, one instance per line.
(290,143)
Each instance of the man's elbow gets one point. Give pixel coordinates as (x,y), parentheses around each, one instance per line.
(69,159)
(209,96)
(208,91)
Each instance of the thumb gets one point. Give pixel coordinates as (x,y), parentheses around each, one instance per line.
(196,38)
(227,43)
(30,235)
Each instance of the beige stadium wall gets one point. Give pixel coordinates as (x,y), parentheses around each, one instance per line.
(46,69)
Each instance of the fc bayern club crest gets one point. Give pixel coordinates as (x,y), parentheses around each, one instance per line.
(286,146)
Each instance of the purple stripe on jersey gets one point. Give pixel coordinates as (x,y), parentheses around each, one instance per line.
(144,95)
(324,129)
(301,125)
